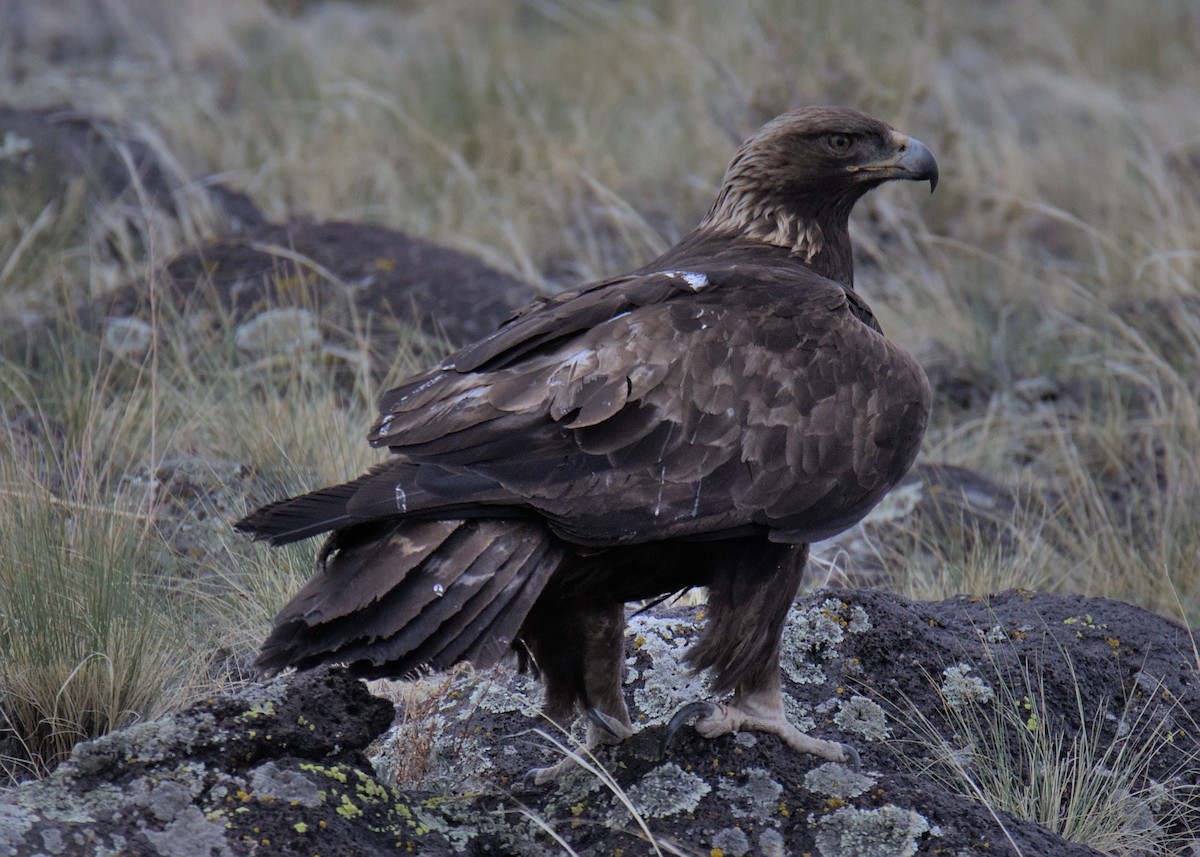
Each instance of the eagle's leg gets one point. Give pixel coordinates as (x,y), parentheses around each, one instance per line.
(750,594)
(579,648)
(760,709)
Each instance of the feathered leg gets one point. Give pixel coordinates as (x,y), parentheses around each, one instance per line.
(749,598)
(578,646)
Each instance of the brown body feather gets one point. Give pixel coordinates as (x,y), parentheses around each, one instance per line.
(695,423)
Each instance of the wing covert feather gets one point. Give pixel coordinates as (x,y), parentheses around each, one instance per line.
(638,409)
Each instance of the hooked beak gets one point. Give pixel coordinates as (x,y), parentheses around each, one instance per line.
(912,162)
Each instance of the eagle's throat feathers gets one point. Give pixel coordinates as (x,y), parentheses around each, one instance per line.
(821,243)
(803,237)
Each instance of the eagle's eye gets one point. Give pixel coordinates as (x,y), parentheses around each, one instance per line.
(839,144)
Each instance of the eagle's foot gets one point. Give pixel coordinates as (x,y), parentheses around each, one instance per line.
(602,729)
(606,729)
(541,776)
(715,719)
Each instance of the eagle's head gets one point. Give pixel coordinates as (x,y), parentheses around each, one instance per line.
(794,182)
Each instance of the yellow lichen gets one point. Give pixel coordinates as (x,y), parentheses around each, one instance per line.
(262,708)
(348,809)
(332,773)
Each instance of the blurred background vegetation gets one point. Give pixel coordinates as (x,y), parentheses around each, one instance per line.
(1049,287)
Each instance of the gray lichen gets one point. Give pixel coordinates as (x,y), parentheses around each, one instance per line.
(994,634)
(52,841)
(190,833)
(812,635)
(164,799)
(809,632)
(667,790)
(798,714)
(770,843)
(269,781)
(863,717)
(732,841)
(755,794)
(505,692)
(150,742)
(885,832)
(858,621)
(960,689)
(666,683)
(15,822)
(833,779)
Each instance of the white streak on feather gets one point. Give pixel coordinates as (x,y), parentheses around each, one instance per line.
(662,482)
(401,500)
(417,390)
(693,280)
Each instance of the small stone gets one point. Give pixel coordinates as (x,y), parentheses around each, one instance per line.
(278,331)
(127,337)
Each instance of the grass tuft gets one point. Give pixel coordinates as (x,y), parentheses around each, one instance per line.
(1086,778)
(89,639)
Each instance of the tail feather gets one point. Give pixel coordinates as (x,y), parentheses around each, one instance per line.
(390,489)
(417,593)
(483,630)
(378,560)
(432,595)
(299,518)
(500,618)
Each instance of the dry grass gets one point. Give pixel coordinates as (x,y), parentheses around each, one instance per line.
(1007,751)
(566,139)
(93,630)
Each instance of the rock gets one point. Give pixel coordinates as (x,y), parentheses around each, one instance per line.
(935,504)
(127,337)
(283,762)
(278,331)
(275,768)
(860,667)
(47,148)
(359,279)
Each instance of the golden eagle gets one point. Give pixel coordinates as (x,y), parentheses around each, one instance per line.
(697,422)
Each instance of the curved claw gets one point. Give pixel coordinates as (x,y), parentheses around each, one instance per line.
(852,757)
(700,708)
(529,781)
(609,725)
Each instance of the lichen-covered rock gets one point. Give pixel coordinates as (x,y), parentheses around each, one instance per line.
(279,768)
(44,150)
(885,832)
(859,666)
(355,283)
(275,768)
